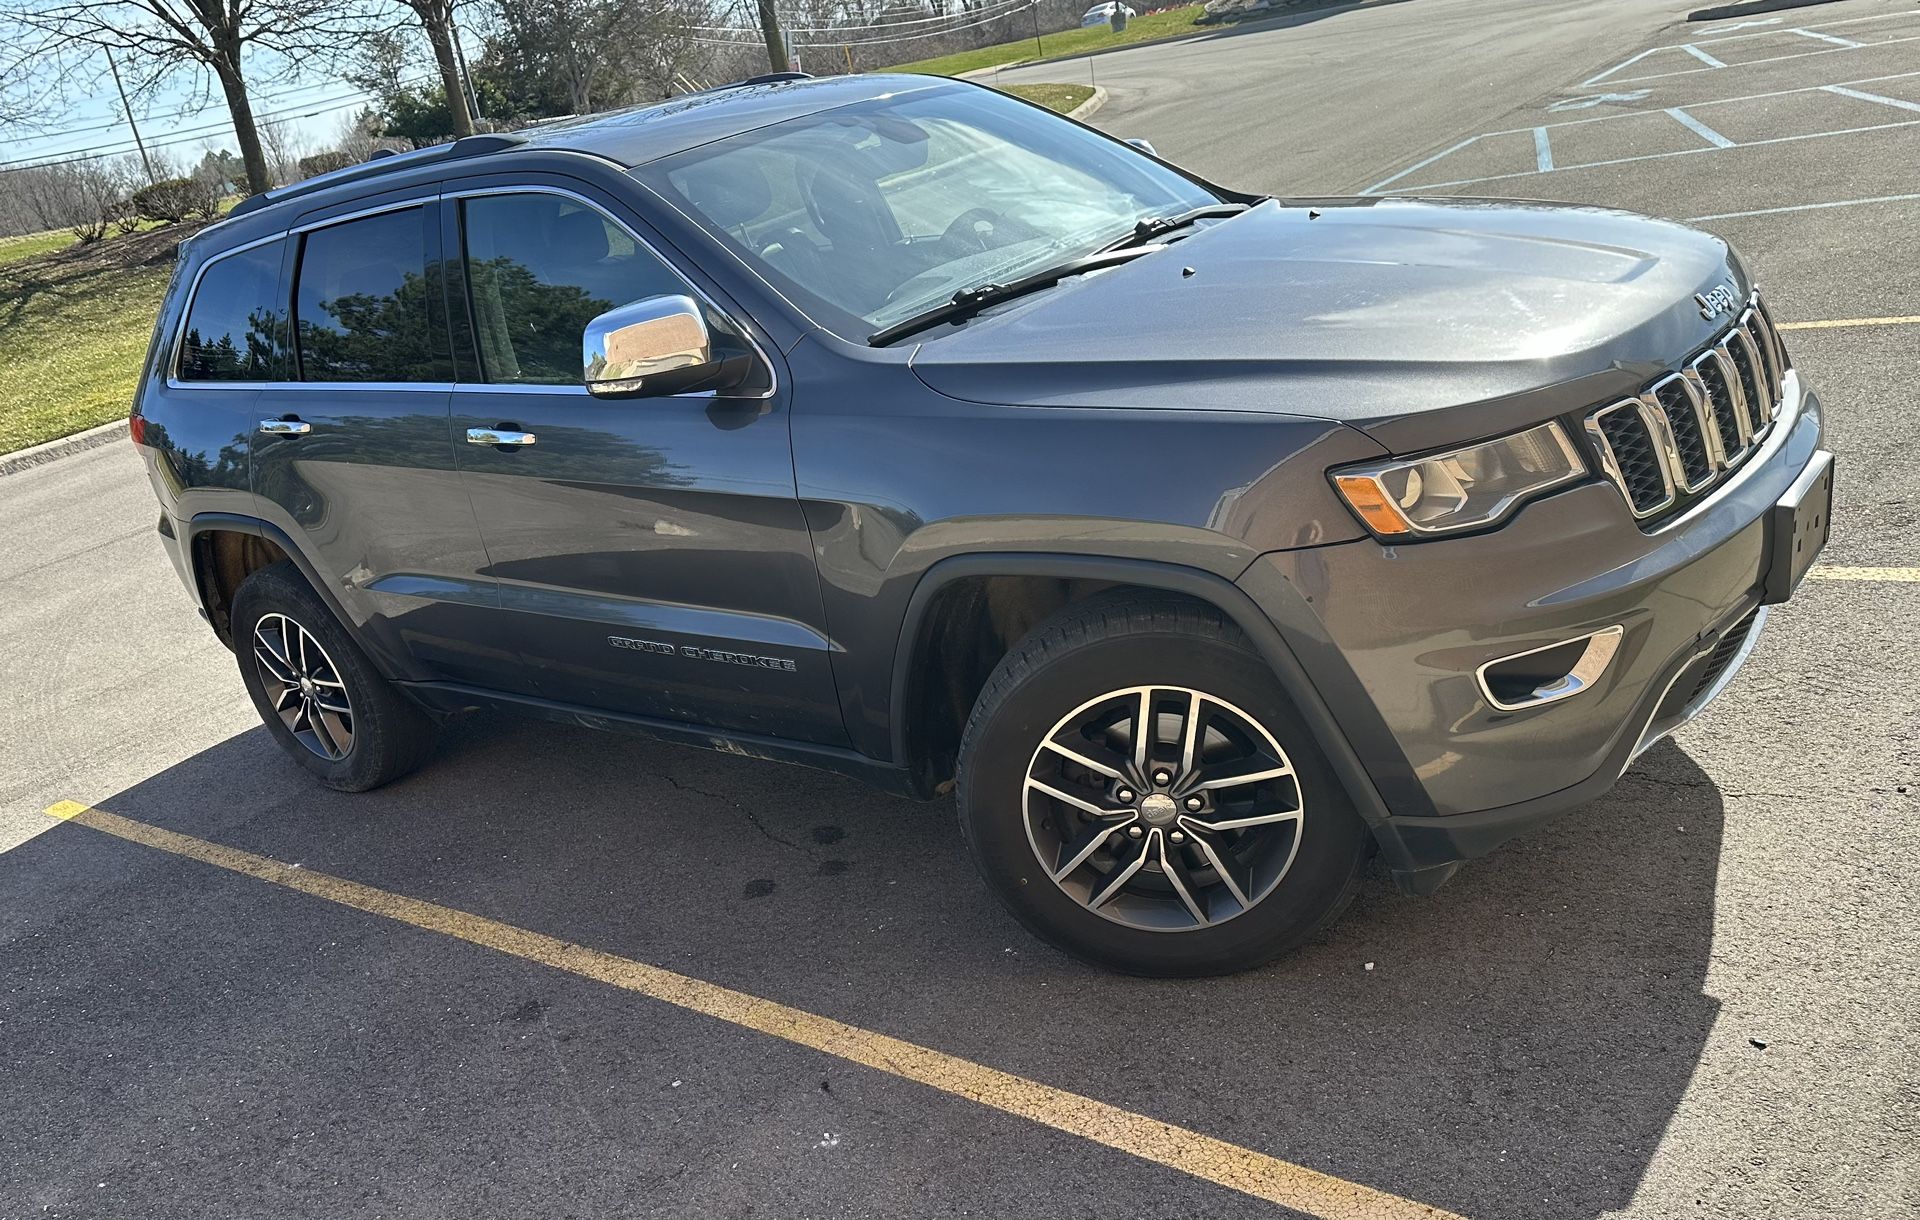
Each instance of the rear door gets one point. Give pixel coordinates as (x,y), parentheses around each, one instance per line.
(352,453)
(650,553)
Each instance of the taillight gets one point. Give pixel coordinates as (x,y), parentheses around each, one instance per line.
(137,428)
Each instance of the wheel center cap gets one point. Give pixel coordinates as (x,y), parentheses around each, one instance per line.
(1158,809)
(306,685)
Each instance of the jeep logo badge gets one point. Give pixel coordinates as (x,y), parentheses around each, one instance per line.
(1719,301)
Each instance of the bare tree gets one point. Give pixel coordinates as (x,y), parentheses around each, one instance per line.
(84,196)
(284,146)
(436,18)
(161,39)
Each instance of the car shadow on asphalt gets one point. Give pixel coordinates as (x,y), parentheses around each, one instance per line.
(1514,1045)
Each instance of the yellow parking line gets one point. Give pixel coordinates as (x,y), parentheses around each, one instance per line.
(1892,574)
(1838,322)
(1201,1156)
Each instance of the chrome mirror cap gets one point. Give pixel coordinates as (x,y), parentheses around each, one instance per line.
(651,346)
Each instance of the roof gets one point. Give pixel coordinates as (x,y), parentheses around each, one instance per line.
(638,134)
(646,133)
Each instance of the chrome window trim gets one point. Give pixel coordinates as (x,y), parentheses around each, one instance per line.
(1709,432)
(522,387)
(174,380)
(417,201)
(1610,464)
(1593,662)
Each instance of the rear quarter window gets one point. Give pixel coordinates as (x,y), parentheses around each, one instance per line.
(235,319)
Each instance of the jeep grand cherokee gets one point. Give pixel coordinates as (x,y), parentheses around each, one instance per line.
(1205,544)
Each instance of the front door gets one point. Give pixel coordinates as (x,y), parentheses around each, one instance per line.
(650,553)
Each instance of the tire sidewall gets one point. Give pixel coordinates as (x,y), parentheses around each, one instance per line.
(281,590)
(1333,840)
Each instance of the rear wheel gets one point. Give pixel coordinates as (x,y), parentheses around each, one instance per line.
(1140,792)
(315,689)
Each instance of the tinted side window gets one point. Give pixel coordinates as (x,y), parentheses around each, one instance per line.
(363,303)
(234,319)
(539,268)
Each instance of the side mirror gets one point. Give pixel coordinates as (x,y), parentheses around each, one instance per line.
(658,345)
(1143,146)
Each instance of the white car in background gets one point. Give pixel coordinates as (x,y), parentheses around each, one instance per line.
(1101,14)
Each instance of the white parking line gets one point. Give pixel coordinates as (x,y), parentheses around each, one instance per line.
(1717,141)
(1542,149)
(1694,46)
(1871,97)
(1806,207)
(1700,129)
(1835,40)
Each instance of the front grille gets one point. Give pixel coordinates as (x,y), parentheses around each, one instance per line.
(1669,447)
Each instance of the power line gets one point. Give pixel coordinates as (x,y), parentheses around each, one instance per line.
(1018,6)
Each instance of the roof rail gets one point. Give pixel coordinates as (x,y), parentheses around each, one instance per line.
(383,161)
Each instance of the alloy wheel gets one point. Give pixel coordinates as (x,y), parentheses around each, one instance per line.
(1163,808)
(304,686)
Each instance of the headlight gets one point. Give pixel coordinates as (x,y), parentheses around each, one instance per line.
(1462,489)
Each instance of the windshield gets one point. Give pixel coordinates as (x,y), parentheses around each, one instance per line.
(871,213)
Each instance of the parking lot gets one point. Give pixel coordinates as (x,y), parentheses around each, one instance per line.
(561,973)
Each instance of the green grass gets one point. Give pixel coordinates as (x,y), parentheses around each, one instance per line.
(27,245)
(1054,97)
(1067,42)
(73,332)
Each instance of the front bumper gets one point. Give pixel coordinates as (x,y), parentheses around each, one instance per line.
(1394,637)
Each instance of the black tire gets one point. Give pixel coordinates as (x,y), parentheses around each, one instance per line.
(387,735)
(1123,641)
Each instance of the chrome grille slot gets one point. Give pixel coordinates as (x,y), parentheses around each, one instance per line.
(1730,422)
(1753,391)
(1687,424)
(1630,452)
(1677,441)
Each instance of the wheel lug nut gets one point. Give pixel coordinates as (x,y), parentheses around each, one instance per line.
(1194,803)
(1134,832)
(1177,837)
(1124,794)
(1162,777)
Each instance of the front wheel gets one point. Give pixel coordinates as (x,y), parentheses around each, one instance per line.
(317,692)
(1140,792)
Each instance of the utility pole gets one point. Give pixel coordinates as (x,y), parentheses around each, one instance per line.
(776,42)
(1034,8)
(137,142)
(460,55)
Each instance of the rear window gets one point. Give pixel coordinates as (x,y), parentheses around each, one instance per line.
(363,303)
(234,320)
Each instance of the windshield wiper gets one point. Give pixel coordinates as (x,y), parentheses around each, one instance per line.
(1149,227)
(973,300)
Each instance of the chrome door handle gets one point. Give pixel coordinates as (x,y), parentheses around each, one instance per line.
(499,436)
(285,427)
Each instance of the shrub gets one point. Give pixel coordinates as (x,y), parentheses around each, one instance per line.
(167,201)
(325,163)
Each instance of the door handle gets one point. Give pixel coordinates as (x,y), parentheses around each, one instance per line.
(501,435)
(285,427)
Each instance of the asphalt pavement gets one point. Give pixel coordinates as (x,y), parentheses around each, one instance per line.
(1694,998)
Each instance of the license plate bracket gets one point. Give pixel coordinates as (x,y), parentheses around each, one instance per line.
(1798,526)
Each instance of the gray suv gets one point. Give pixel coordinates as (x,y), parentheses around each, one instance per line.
(1202,544)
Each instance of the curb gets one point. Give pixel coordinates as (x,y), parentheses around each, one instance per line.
(66,446)
(1087,107)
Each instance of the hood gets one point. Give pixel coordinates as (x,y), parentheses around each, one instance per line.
(1366,311)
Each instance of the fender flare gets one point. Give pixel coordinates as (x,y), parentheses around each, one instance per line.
(239,523)
(1216,591)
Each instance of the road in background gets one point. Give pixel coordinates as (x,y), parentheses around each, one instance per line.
(1694,998)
